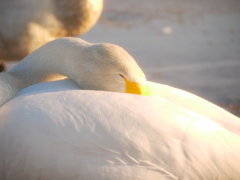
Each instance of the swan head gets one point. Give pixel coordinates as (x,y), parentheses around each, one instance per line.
(103,66)
(109,67)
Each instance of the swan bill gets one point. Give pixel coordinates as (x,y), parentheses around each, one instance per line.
(135,88)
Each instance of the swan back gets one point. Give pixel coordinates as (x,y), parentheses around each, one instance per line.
(67,133)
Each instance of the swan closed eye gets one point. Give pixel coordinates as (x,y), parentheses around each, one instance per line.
(120,77)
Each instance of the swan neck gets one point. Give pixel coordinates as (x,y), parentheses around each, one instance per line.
(44,65)
(48,63)
(9,87)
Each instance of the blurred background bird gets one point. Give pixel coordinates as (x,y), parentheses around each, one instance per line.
(25,25)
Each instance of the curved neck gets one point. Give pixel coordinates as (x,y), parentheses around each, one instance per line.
(36,69)
(9,87)
(50,62)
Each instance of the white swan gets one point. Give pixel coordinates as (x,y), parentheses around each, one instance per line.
(54,130)
(28,24)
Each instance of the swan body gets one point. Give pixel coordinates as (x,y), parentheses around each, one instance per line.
(55,130)
(28,24)
(85,127)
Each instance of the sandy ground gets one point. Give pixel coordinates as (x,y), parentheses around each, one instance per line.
(189,44)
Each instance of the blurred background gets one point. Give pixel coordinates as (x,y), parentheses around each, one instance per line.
(193,45)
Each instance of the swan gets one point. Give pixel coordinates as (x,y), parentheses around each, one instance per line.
(86,127)
(28,24)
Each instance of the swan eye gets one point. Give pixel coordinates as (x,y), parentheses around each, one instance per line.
(120,77)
